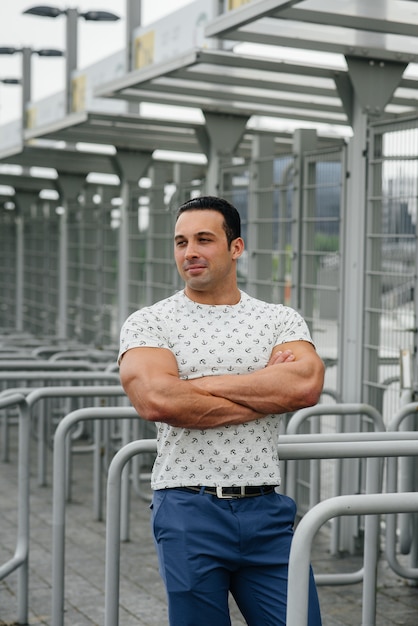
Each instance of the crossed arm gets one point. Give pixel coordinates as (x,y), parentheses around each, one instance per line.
(293,379)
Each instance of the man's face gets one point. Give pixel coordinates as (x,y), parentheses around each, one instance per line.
(203,258)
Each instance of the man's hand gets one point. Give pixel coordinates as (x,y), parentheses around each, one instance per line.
(280,356)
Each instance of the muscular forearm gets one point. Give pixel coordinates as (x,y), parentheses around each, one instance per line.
(278,388)
(178,403)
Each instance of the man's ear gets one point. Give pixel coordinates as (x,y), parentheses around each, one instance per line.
(237,247)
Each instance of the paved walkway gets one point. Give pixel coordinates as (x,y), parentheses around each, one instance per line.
(142,598)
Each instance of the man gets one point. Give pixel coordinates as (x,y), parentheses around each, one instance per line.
(213,368)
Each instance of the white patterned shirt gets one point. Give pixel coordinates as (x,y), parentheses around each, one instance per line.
(210,340)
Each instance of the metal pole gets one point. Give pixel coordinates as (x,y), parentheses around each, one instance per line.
(26,82)
(62,317)
(133,20)
(113,525)
(59,482)
(71,54)
(20,251)
(23,515)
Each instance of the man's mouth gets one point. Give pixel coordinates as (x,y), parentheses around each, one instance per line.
(194,268)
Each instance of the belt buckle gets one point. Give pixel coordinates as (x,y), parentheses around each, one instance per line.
(220,494)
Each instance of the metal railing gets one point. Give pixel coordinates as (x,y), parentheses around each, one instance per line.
(297,421)
(25,404)
(344,445)
(59,472)
(363,504)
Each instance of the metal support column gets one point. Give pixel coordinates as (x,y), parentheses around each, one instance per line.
(20,263)
(70,186)
(160,247)
(223,134)
(364,95)
(131,167)
(372,84)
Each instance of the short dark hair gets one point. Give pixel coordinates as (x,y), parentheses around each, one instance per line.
(232,219)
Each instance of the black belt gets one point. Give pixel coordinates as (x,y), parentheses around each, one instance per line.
(234,492)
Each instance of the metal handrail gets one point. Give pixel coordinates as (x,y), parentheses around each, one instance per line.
(363,504)
(25,403)
(294,425)
(409,525)
(19,561)
(45,378)
(59,473)
(335,446)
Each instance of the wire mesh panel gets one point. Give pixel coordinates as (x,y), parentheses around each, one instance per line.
(73,270)
(283,225)
(234,187)
(8,270)
(321,252)
(152,271)
(161,268)
(40,271)
(97,274)
(138,217)
(109,327)
(391,272)
(92,269)
(262,192)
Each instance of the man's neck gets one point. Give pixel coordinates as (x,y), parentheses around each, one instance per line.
(202,297)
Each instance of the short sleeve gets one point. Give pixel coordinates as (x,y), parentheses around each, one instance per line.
(143,328)
(292,327)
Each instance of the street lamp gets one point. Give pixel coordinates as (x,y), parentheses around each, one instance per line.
(72,16)
(26,80)
(93,16)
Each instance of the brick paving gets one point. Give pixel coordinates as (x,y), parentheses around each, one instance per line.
(142,596)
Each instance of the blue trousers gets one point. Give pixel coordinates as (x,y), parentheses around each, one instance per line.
(208,547)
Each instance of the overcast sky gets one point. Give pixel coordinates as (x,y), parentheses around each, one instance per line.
(95,41)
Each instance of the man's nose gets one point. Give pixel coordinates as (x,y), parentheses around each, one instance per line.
(191,251)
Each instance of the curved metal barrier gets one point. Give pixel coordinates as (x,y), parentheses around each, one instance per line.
(406,533)
(44,378)
(299,418)
(59,473)
(345,445)
(364,504)
(19,561)
(25,404)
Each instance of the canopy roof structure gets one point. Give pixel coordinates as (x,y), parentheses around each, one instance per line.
(141,133)
(298,61)
(361,39)
(69,160)
(382,29)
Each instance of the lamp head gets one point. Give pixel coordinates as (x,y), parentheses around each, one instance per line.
(44,11)
(8,50)
(10,81)
(49,52)
(100,16)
